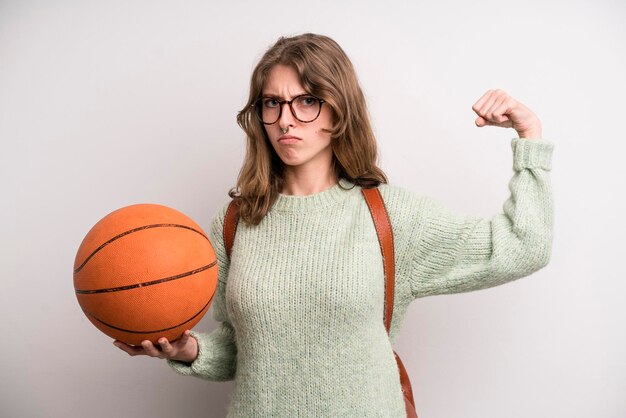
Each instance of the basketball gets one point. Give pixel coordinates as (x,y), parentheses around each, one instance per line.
(143,272)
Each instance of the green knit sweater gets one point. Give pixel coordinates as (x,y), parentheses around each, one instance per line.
(300,304)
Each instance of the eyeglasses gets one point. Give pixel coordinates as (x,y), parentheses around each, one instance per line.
(305,108)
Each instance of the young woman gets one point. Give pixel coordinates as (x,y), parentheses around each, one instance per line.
(300,301)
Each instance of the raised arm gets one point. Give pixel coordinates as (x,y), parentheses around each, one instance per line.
(457,253)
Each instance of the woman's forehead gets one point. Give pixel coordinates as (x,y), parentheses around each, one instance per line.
(283,81)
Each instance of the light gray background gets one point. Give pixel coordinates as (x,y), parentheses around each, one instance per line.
(107,104)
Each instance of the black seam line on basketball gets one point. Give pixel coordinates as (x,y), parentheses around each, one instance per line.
(144,284)
(141,228)
(148,332)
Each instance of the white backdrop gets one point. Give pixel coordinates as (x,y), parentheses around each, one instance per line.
(107,104)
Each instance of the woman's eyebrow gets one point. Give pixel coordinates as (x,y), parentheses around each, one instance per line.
(278,96)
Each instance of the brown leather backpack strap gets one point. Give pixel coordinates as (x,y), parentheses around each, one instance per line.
(382,224)
(385,239)
(230,226)
(407,390)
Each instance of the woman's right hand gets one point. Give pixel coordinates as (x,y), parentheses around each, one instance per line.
(184,349)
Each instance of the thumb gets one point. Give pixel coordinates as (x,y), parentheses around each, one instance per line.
(480,122)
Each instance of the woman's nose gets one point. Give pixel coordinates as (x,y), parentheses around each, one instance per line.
(286,115)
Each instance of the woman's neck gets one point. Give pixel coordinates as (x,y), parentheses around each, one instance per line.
(307,182)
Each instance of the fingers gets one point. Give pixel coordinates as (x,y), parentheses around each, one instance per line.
(164,349)
(151,350)
(497,108)
(496,112)
(184,339)
(480,103)
(130,349)
(493,108)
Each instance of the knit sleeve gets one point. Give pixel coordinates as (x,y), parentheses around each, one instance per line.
(217,351)
(457,253)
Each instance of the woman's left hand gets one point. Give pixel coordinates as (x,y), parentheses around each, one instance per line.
(497,108)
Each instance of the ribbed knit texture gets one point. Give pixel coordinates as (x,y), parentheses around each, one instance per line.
(300,304)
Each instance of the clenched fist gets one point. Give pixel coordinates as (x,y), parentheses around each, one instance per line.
(497,108)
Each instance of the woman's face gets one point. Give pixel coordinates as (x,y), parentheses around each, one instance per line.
(304,145)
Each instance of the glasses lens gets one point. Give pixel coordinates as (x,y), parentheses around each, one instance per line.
(268,109)
(306,108)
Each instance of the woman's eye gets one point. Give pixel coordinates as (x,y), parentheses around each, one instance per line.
(270,103)
(307,101)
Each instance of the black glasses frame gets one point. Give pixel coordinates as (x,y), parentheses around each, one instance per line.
(258,108)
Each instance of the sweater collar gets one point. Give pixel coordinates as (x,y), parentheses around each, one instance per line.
(316,201)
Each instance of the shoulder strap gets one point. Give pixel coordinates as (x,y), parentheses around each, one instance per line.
(230,226)
(385,238)
(382,223)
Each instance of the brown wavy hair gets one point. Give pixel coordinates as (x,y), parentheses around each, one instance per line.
(326,72)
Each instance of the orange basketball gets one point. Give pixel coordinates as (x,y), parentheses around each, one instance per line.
(143,272)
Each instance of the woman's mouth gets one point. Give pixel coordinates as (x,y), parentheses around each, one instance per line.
(288,139)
